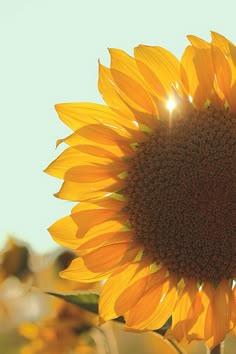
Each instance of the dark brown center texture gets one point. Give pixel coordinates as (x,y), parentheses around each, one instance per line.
(181,192)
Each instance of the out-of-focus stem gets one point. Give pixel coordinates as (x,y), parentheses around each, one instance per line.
(179,351)
(100,340)
(111,339)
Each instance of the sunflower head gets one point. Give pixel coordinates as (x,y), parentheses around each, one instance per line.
(154,174)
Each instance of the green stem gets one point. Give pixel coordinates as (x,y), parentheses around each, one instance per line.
(179,351)
(102,346)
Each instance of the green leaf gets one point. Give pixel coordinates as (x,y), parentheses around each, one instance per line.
(86,301)
(89,302)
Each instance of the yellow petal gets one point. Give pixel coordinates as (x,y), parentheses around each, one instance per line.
(124,63)
(78,271)
(103,228)
(126,102)
(107,202)
(164,64)
(233,309)
(75,166)
(92,173)
(222,71)
(72,158)
(198,42)
(64,232)
(224,56)
(79,114)
(106,257)
(139,74)
(227,48)
(155,307)
(111,94)
(99,264)
(133,276)
(218,315)
(199,74)
(137,96)
(68,231)
(118,148)
(86,219)
(84,191)
(96,151)
(104,239)
(134,292)
(104,135)
(205,71)
(198,311)
(181,321)
(157,89)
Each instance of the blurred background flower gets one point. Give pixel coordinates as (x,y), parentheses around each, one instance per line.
(42,321)
(18,302)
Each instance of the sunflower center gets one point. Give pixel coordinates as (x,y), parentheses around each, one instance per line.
(181,193)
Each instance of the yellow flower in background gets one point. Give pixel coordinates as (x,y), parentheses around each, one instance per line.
(62,334)
(17,302)
(154,172)
(64,328)
(14,259)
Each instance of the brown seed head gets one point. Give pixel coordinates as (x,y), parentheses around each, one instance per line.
(181,193)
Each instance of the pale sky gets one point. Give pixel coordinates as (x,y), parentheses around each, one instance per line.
(49,54)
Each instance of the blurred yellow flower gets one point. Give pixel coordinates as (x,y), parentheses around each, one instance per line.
(14,260)
(64,327)
(65,333)
(154,172)
(17,302)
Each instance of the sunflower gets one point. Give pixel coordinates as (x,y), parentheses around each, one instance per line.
(154,174)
